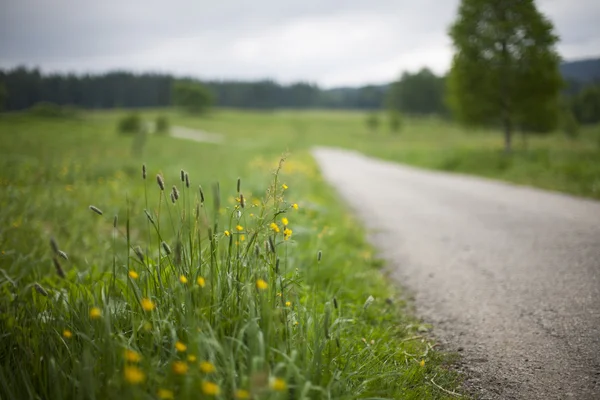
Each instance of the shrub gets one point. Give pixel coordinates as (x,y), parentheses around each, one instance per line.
(569,123)
(130,124)
(162,125)
(46,109)
(372,121)
(395,121)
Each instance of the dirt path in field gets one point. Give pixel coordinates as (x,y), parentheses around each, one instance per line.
(508,275)
(196,135)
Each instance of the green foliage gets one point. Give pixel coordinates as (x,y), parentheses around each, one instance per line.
(191,96)
(586,105)
(130,124)
(569,123)
(3,96)
(51,110)
(162,125)
(505,68)
(394,121)
(421,93)
(320,348)
(372,121)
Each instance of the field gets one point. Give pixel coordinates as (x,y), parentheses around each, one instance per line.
(552,161)
(262,287)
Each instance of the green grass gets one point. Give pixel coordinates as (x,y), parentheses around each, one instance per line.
(123,289)
(552,161)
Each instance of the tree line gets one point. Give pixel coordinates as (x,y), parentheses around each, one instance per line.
(24,87)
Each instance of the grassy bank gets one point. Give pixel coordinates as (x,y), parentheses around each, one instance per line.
(552,161)
(260,289)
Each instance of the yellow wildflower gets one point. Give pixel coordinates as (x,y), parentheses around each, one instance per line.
(191,358)
(262,284)
(284,186)
(274,227)
(180,346)
(165,394)
(148,305)
(180,368)
(287,233)
(295,206)
(133,274)
(95,313)
(239,228)
(132,356)
(278,384)
(67,334)
(242,238)
(201,281)
(210,388)
(288,303)
(134,375)
(226,233)
(422,363)
(279,294)
(207,367)
(242,394)
(183,279)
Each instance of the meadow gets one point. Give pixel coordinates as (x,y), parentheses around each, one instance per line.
(164,268)
(550,161)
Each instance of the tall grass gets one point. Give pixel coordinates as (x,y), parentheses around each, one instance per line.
(239,290)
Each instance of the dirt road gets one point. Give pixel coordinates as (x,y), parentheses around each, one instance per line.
(508,275)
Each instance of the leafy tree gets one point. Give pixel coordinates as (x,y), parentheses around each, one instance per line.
(130,124)
(192,96)
(586,105)
(3,96)
(419,93)
(505,67)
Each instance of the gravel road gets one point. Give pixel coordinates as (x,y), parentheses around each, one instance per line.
(508,275)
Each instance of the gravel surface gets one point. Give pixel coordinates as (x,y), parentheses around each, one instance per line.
(508,275)
(196,135)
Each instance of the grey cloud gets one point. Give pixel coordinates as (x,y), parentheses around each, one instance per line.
(328,42)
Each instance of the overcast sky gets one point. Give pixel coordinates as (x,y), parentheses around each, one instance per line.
(326,42)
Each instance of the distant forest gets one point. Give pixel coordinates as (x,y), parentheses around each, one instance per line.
(418,93)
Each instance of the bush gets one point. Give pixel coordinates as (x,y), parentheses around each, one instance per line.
(162,125)
(569,123)
(130,124)
(372,121)
(395,121)
(50,110)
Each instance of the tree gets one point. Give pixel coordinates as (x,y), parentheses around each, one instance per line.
(3,96)
(192,96)
(505,66)
(419,93)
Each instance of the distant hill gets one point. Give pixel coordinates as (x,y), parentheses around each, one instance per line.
(583,71)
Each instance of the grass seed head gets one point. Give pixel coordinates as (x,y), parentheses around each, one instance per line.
(40,289)
(62,254)
(139,253)
(182,175)
(59,271)
(143,171)
(54,245)
(166,247)
(149,216)
(319,255)
(96,210)
(335,303)
(160,181)
(239,184)
(242,201)
(175,192)
(172,198)
(201,194)
(115,221)
(187,180)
